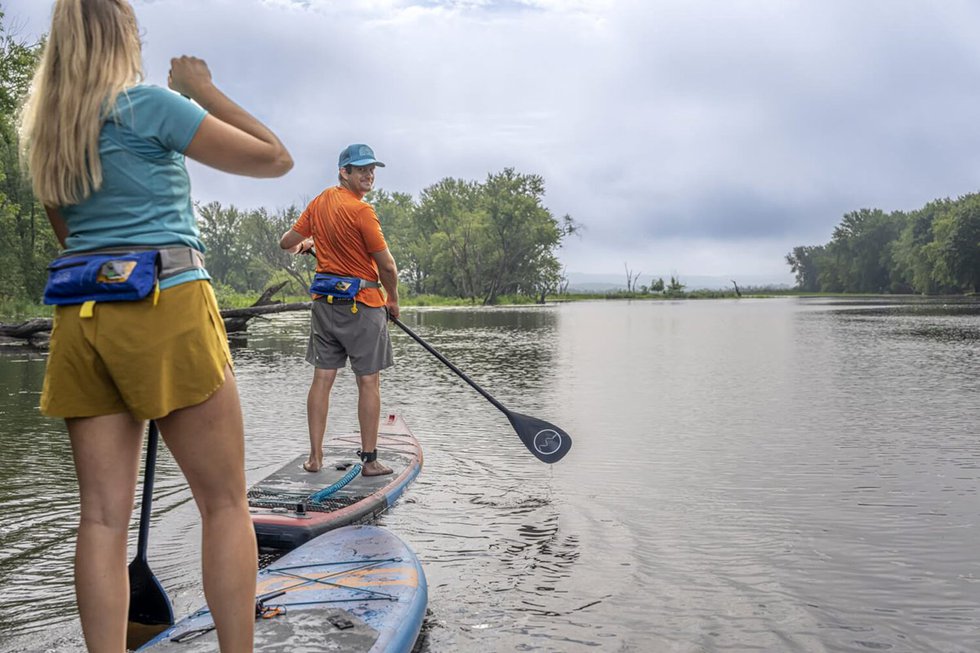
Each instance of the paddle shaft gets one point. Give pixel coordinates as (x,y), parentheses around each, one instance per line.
(447,363)
(150,610)
(147,503)
(545,440)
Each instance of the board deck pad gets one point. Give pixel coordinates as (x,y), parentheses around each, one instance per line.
(357,588)
(286,514)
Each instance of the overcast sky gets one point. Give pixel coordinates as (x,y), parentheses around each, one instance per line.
(688,137)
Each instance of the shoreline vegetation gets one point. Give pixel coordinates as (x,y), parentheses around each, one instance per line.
(233,304)
(28,325)
(477,243)
(14,310)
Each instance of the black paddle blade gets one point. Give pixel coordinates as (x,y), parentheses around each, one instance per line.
(148,602)
(545,440)
(149,605)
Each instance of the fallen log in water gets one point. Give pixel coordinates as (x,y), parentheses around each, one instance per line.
(26,329)
(37,332)
(34,334)
(236,319)
(252,311)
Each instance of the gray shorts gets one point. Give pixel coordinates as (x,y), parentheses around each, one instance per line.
(336,334)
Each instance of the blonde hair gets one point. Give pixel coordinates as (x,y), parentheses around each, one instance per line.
(92,54)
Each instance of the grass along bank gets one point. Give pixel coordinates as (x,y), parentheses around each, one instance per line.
(18,310)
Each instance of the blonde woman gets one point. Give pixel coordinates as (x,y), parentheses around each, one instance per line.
(106,156)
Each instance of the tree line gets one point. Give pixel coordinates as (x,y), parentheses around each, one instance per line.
(476,240)
(27,243)
(465,239)
(932,250)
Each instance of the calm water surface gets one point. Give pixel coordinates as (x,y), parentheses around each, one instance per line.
(752,475)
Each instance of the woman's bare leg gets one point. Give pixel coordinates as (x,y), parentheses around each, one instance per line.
(106,450)
(208,442)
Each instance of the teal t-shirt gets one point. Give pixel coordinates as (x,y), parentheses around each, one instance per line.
(145,198)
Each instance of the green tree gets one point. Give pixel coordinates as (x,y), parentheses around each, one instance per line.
(451,244)
(956,246)
(804,262)
(523,234)
(675,288)
(476,240)
(396,212)
(548,279)
(259,235)
(227,252)
(913,258)
(27,242)
(860,246)
(935,249)
(265,230)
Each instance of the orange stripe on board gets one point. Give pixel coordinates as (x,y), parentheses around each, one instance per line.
(406,576)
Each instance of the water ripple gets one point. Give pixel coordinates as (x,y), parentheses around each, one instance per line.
(772,475)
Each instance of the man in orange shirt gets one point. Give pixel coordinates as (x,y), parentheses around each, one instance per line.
(345,234)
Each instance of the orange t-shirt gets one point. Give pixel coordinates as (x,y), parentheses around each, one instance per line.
(346,232)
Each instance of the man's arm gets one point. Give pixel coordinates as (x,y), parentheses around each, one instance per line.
(388,273)
(295,243)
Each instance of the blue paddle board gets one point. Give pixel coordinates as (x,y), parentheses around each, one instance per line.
(353,589)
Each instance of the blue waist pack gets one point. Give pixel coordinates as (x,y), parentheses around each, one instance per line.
(112,277)
(332,285)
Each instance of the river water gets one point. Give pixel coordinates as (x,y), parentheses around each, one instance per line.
(747,475)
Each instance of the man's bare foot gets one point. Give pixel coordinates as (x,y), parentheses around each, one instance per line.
(374,468)
(312,466)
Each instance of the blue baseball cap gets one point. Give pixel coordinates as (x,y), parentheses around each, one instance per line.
(358,154)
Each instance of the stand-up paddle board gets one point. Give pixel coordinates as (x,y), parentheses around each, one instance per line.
(292,505)
(355,589)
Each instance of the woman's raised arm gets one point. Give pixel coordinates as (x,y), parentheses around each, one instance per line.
(229,138)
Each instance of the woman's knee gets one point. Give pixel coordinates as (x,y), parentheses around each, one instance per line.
(221,507)
(107,517)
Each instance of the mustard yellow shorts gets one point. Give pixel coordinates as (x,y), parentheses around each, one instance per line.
(136,357)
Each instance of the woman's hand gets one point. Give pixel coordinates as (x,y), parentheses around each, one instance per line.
(229,138)
(189,76)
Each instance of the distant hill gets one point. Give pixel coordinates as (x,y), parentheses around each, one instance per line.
(597,283)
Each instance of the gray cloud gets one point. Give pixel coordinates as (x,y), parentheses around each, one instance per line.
(689,133)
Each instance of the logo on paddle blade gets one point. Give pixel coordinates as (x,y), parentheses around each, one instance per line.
(547,441)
